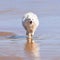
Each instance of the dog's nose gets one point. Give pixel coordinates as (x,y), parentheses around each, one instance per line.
(30,22)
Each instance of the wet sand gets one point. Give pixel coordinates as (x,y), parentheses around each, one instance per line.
(20,49)
(16,49)
(6,34)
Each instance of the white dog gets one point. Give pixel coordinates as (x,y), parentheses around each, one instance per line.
(30,23)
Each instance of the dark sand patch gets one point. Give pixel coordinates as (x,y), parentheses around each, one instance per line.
(10,58)
(7,34)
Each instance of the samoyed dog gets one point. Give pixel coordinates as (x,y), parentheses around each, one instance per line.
(30,23)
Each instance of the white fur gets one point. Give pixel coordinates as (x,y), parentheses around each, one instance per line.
(30,28)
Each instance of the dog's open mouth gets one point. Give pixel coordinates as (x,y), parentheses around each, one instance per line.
(30,22)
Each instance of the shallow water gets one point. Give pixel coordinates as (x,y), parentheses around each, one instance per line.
(13,43)
(17,47)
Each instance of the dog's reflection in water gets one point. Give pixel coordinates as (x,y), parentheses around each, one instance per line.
(32,50)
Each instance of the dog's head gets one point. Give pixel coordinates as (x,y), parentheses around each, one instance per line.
(31,18)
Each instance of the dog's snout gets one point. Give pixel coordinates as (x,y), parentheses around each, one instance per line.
(30,22)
